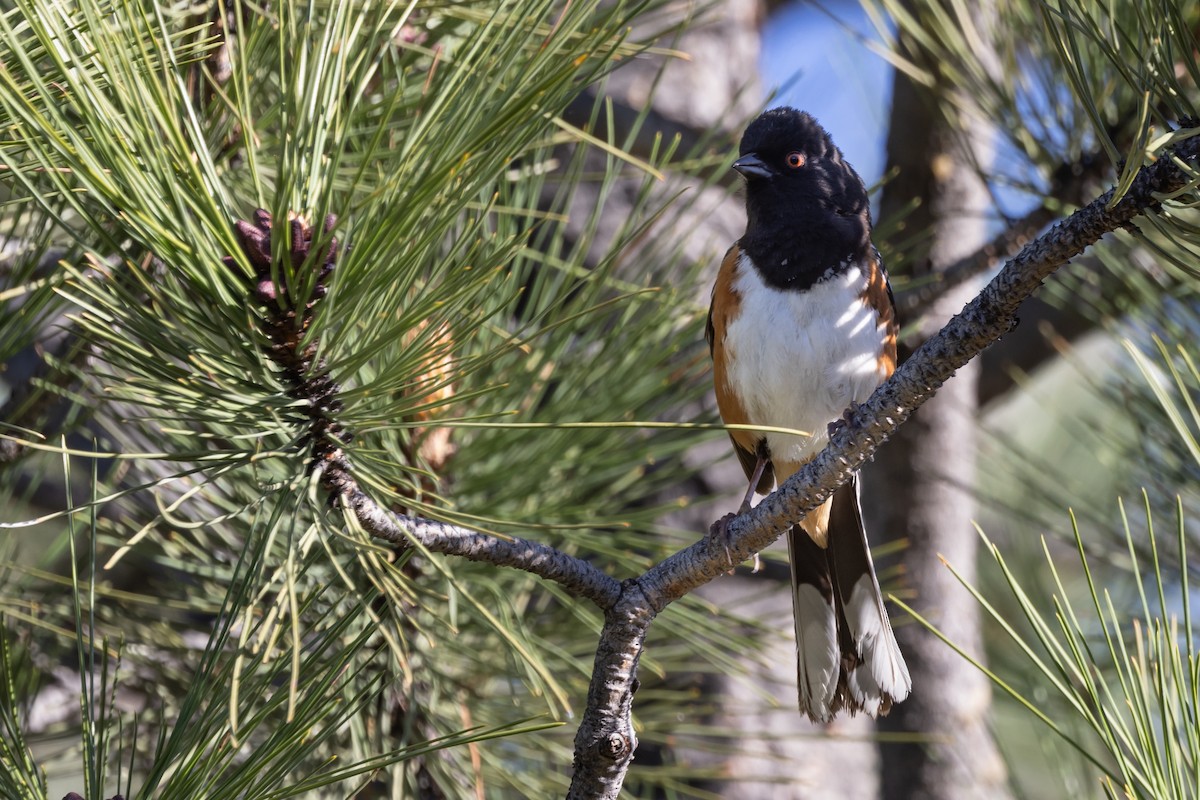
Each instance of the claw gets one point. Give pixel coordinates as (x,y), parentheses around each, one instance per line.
(720,530)
(845,419)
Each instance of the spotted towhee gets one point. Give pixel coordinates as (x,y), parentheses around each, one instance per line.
(801,327)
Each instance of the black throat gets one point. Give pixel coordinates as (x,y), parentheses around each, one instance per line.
(802,246)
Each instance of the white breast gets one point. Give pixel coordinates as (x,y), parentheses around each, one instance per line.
(798,359)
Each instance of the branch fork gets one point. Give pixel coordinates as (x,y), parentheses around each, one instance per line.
(606,742)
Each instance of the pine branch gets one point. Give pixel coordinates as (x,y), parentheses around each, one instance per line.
(285,318)
(605,743)
(576,576)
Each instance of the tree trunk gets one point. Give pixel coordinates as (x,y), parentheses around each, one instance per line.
(924,479)
(772,751)
(767,750)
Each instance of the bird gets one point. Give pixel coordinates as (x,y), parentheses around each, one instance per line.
(801,329)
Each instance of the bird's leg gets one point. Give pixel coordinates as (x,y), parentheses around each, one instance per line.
(721,527)
(759,466)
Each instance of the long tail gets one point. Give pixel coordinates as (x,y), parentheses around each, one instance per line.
(847,654)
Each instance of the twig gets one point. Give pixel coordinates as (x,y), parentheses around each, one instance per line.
(1016,235)
(575,575)
(1067,185)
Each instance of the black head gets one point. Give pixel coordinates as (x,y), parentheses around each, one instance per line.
(807,209)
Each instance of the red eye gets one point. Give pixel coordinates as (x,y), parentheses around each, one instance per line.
(795,160)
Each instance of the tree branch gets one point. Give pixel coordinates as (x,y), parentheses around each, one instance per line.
(574,574)
(605,742)
(1014,236)
(601,755)
(1067,186)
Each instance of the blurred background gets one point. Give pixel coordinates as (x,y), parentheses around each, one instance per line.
(530,201)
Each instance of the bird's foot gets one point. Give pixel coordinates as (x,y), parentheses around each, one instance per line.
(845,419)
(719,530)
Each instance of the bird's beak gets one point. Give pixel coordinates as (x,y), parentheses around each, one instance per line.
(751,166)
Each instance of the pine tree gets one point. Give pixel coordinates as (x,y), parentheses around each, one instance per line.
(322,315)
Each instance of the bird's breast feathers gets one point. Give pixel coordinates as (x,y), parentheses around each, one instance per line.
(798,359)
